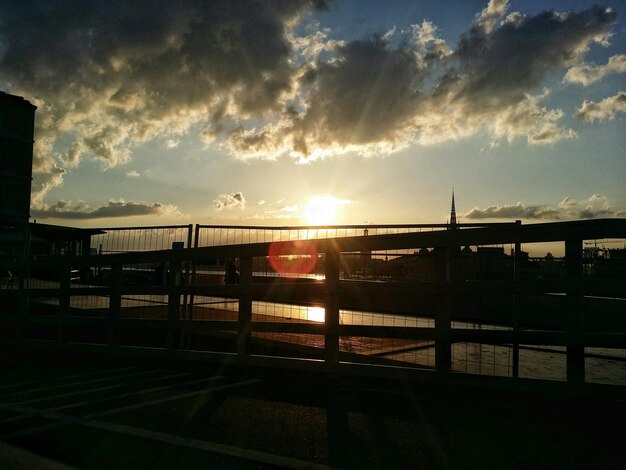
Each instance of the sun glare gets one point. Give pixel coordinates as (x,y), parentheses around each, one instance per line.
(316,314)
(321,210)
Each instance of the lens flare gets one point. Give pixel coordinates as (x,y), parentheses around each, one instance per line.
(293,258)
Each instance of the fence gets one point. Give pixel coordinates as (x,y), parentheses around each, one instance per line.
(132,239)
(440,329)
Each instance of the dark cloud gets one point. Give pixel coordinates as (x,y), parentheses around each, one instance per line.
(500,66)
(64,210)
(363,97)
(378,94)
(108,76)
(595,206)
(229,201)
(516,211)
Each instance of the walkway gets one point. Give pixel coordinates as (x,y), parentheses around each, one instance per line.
(96,412)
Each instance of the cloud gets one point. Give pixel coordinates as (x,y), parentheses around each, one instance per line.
(377,95)
(596,206)
(585,74)
(568,202)
(500,66)
(109,76)
(290,212)
(132,174)
(516,211)
(363,98)
(172,144)
(48,176)
(494,12)
(114,209)
(531,120)
(606,109)
(229,201)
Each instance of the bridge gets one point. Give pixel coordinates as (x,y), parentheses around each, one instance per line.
(266,320)
(322,345)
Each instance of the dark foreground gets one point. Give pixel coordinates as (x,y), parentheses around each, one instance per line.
(92,411)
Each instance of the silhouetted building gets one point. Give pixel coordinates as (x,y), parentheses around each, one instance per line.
(17,121)
(452,214)
(46,240)
(18,237)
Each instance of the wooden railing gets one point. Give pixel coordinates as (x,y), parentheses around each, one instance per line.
(19,315)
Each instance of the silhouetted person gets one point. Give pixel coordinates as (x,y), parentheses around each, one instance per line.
(231,276)
(159,272)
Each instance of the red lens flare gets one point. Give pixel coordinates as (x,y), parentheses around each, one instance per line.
(293,258)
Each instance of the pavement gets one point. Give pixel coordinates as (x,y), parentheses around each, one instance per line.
(91,411)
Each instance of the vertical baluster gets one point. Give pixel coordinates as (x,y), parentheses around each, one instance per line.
(245,305)
(332,305)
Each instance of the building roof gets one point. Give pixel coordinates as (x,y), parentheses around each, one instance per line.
(6,97)
(60,232)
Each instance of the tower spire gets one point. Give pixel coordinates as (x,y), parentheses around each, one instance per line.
(453,212)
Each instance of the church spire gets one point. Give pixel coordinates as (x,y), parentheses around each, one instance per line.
(453,213)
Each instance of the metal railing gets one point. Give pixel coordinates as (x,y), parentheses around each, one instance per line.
(143,305)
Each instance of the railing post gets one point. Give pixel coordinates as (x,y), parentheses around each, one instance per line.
(574,312)
(516,308)
(65,274)
(245,305)
(194,263)
(23,301)
(331,340)
(115,302)
(443,318)
(186,273)
(173,302)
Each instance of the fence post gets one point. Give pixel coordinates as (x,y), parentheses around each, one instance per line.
(186,272)
(23,301)
(173,301)
(443,318)
(115,302)
(65,275)
(331,340)
(574,312)
(245,305)
(194,265)
(516,308)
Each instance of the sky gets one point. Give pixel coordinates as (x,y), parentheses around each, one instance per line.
(312,112)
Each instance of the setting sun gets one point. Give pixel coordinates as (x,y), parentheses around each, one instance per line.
(321,210)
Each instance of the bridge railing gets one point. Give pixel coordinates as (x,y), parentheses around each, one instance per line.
(145,303)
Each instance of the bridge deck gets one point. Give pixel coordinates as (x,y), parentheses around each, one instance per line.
(96,412)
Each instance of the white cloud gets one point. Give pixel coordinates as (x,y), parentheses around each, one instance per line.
(596,206)
(603,110)
(529,119)
(229,201)
(586,74)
